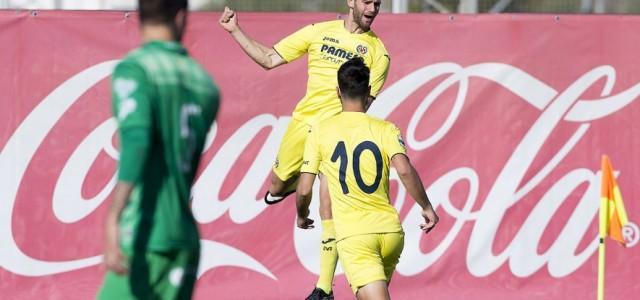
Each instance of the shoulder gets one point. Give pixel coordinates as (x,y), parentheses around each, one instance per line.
(375,39)
(377,43)
(200,79)
(386,126)
(132,57)
(318,27)
(322,125)
(327,125)
(391,126)
(328,24)
(377,121)
(378,124)
(130,66)
(135,61)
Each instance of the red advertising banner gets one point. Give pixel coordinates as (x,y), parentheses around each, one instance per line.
(505,118)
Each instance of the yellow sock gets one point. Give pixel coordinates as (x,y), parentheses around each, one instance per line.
(328,256)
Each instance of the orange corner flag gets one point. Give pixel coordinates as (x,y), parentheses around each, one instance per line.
(613,216)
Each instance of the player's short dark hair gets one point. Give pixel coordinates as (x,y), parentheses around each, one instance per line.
(160,11)
(353,78)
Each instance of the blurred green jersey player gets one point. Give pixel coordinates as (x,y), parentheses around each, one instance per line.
(164,103)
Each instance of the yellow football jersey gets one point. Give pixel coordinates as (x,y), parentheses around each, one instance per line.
(329,45)
(354,151)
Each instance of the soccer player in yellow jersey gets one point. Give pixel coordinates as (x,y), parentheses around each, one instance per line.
(354,152)
(328,45)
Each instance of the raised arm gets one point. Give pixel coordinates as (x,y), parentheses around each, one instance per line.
(411,181)
(264,56)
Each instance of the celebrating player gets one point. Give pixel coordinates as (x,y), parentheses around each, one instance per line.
(329,44)
(354,152)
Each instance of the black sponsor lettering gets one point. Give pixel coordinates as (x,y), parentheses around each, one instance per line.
(341,53)
(330,39)
(332,59)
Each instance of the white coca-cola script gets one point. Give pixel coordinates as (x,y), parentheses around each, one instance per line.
(507,189)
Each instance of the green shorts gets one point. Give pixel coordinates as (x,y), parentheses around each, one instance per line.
(154,275)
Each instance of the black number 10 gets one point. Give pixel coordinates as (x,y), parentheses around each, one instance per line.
(340,153)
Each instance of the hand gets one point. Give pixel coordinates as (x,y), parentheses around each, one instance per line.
(305,223)
(430,218)
(228,20)
(114,259)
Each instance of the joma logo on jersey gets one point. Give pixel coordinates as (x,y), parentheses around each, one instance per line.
(337,52)
(330,39)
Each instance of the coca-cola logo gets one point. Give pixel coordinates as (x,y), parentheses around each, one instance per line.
(507,189)
(555,107)
(631,234)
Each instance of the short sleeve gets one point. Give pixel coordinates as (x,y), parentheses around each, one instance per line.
(312,156)
(379,71)
(130,96)
(296,44)
(393,142)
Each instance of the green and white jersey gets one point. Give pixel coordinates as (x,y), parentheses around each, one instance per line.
(164,103)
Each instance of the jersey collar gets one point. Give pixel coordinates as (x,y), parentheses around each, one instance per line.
(344,28)
(167,46)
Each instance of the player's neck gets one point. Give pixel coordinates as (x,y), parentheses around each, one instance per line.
(352,26)
(152,32)
(352,106)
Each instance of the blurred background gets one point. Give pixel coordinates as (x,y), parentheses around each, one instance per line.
(395,6)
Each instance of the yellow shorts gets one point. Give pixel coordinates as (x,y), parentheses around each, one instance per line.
(289,159)
(367,258)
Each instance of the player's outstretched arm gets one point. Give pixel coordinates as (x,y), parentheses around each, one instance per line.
(303,199)
(262,55)
(411,181)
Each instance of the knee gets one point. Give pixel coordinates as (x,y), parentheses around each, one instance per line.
(277,185)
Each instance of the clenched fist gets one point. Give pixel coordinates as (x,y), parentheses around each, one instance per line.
(228,20)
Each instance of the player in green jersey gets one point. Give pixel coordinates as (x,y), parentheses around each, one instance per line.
(164,103)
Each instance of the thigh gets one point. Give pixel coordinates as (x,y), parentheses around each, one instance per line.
(361,260)
(172,275)
(154,275)
(289,158)
(391,246)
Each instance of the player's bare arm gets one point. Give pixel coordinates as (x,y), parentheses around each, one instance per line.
(114,259)
(411,181)
(303,200)
(264,56)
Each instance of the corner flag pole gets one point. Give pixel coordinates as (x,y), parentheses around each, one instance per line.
(613,217)
(604,217)
(601,269)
